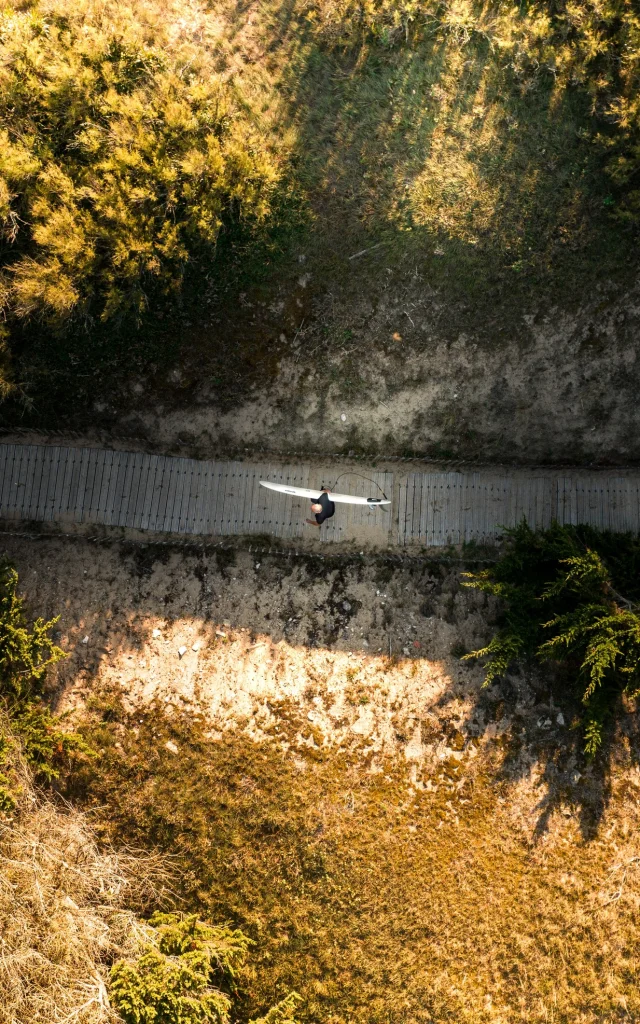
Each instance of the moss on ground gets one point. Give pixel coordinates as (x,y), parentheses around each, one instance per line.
(377,902)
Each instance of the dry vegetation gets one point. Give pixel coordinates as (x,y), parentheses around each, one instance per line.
(64,913)
(475,870)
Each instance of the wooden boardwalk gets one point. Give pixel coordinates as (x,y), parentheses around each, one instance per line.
(169,495)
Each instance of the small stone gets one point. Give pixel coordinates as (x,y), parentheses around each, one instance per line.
(220,633)
(181,651)
(343,417)
(85,640)
(405,651)
(225,623)
(346,606)
(171,746)
(575,778)
(196,646)
(156,633)
(560,718)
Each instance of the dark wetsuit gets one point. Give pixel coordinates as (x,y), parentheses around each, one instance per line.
(328,508)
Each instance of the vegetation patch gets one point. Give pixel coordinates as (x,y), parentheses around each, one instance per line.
(357,886)
(563,603)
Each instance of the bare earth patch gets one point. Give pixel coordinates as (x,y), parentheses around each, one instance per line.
(395,376)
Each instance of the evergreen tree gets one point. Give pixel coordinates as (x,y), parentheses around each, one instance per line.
(561,593)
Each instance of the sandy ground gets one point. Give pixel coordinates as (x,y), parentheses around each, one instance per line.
(297,652)
(556,386)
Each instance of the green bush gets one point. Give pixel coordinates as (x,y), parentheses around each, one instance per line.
(186,975)
(562,595)
(25,655)
(119,157)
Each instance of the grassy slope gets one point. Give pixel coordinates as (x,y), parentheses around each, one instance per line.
(380,904)
(486,186)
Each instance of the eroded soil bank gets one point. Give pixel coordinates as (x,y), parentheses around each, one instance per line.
(407,374)
(402,844)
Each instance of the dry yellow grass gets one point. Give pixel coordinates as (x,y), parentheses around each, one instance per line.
(464,901)
(63,916)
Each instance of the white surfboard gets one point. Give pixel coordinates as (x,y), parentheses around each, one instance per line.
(306,492)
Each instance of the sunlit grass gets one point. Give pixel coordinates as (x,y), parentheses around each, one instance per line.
(376,901)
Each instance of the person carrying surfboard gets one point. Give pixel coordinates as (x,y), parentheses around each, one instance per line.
(323,508)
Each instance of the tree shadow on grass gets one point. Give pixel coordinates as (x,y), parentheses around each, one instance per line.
(536,721)
(439,152)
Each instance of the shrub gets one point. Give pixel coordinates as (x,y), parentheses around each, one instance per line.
(119,158)
(561,595)
(180,977)
(25,655)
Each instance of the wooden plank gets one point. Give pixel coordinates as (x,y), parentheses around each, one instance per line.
(244,510)
(254,498)
(217,497)
(41,467)
(102,501)
(199,507)
(44,509)
(426,505)
(30,480)
(137,486)
(7,469)
(74,482)
(230,499)
(62,509)
(300,508)
(150,491)
(108,497)
(85,459)
(166,496)
(60,459)
(84,494)
(454,503)
(144,469)
(16,498)
(123,489)
(178,485)
(403,487)
(203,512)
(416,507)
(116,495)
(190,496)
(22,481)
(158,491)
(191,499)
(629,519)
(413,506)
(91,510)
(32,493)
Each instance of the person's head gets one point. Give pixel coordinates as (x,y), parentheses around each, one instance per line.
(315,507)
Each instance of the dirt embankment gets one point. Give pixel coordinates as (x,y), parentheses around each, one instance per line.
(409,374)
